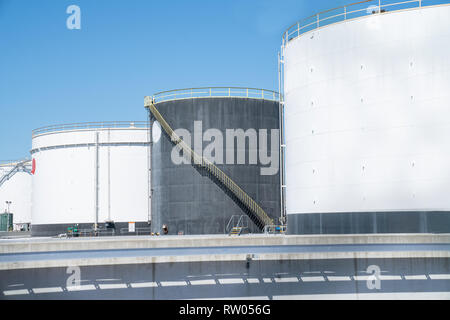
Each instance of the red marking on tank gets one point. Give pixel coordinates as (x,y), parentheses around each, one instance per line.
(33,166)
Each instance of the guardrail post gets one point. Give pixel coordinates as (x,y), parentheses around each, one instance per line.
(317,20)
(379,6)
(345,13)
(420,3)
(298,29)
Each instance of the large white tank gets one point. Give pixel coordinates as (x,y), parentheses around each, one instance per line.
(15,188)
(90,173)
(367,121)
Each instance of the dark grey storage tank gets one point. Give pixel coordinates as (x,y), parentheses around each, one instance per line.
(185,198)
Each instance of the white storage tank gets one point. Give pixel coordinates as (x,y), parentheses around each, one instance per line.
(367,119)
(15,191)
(90,174)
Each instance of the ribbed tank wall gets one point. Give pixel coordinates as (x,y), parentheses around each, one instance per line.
(64,183)
(186,199)
(367,125)
(18,191)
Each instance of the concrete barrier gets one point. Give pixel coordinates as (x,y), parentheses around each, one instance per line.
(82,262)
(146,242)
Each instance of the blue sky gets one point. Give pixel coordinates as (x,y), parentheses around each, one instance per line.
(127,49)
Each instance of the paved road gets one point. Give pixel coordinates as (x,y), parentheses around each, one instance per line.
(256,278)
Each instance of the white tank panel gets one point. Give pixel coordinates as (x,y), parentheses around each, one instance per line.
(17,190)
(367,117)
(64,188)
(128,184)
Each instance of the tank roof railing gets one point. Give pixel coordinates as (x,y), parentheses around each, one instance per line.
(7,163)
(216,92)
(353,11)
(90,125)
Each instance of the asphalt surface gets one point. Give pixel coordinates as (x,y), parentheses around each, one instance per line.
(401,275)
(258,279)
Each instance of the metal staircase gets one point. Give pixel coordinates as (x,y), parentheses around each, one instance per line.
(18,167)
(253,210)
(237,225)
(236,231)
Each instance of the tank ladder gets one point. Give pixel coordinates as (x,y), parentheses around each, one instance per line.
(237,228)
(18,167)
(254,211)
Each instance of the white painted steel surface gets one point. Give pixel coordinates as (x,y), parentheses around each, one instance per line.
(17,190)
(367,111)
(64,188)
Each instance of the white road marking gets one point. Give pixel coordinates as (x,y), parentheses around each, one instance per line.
(339,278)
(81,288)
(381,277)
(107,279)
(439,276)
(143,284)
(16,285)
(202,282)
(231,281)
(252,280)
(391,277)
(15,292)
(313,279)
(112,286)
(416,277)
(47,290)
(282,280)
(173,283)
(267,280)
